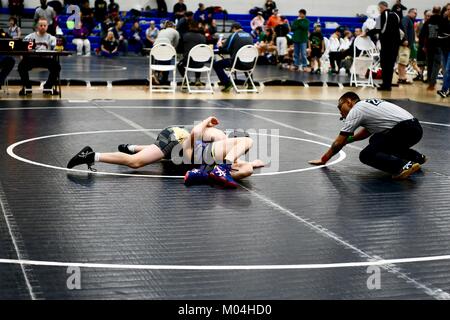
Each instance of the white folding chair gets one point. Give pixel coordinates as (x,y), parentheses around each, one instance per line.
(160,53)
(247,54)
(201,53)
(366,61)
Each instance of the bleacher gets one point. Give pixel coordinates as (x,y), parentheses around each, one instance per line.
(145,18)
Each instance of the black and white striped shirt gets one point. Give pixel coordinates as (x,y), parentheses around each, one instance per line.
(375,115)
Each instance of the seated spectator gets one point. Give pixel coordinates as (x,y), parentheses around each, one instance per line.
(151,34)
(100,10)
(162,8)
(269,7)
(256,22)
(87,16)
(335,51)
(183,23)
(119,34)
(44,41)
(179,9)
(236,41)
(135,38)
(274,20)
(109,46)
(46,12)
(171,36)
(266,45)
(14,30)
(201,15)
(190,39)
(81,40)
(317,48)
(210,30)
(346,41)
(113,9)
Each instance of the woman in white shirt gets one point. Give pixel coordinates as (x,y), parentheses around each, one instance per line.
(335,51)
(257,21)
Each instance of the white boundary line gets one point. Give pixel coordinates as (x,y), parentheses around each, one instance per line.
(225,267)
(7,215)
(10,151)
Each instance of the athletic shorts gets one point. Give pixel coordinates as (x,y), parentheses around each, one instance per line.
(203,153)
(166,141)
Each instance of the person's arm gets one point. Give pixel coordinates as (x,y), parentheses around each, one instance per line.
(197,134)
(359,136)
(337,146)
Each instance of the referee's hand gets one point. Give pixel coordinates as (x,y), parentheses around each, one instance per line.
(316,162)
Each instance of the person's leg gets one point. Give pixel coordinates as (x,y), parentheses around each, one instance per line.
(297,54)
(7,65)
(54,68)
(24,67)
(145,156)
(213,134)
(79,44)
(434,64)
(87,47)
(229,150)
(303,47)
(446,64)
(375,155)
(219,68)
(402,137)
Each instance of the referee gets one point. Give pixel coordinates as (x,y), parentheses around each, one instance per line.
(393,132)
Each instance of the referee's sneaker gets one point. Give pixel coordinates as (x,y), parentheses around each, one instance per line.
(393,132)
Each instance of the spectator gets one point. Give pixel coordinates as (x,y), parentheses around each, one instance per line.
(267,46)
(421,55)
(162,8)
(113,9)
(151,34)
(16,8)
(135,38)
(14,30)
(81,40)
(432,46)
(119,34)
(179,9)
(43,41)
(274,19)
(269,7)
(202,14)
(444,31)
(335,51)
(191,38)
(100,10)
(300,27)
(404,54)
(408,23)
(183,23)
(210,30)
(388,28)
(317,48)
(109,46)
(281,32)
(236,41)
(346,41)
(398,8)
(87,16)
(46,12)
(171,36)
(256,22)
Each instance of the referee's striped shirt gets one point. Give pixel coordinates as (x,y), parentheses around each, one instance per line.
(375,115)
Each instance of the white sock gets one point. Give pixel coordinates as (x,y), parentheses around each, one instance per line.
(97,157)
(132,148)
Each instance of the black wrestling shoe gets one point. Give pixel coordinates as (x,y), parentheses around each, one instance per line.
(423,159)
(407,170)
(124,149)
(85,156)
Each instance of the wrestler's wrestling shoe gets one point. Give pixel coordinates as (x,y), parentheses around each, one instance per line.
(85,156)
(124,149)
(423,159)
(221,175)
(195,177)
(407,170)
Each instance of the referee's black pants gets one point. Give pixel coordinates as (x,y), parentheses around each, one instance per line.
(388,56)
(389,151)
(29,63)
